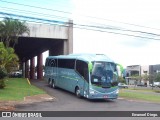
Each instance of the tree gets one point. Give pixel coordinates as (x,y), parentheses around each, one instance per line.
(151,79)
(11,29)
(157,77)
(136,77)
(121,79)
(3,74)
(8,59)
(145,77)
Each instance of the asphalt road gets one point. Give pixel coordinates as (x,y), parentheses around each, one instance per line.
(66,101)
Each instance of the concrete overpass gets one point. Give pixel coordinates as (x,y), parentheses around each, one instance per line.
(57,39)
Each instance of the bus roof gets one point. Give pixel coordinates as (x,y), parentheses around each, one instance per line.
(85,57)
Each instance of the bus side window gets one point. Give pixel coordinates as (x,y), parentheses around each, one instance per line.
(66,63)
(48,62)
(53,62)
(82,69)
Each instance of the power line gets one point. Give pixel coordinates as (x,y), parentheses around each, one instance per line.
(40,22)
(119,33)
(40,19)
(34,13)
(35,7)
(49,2)
(81,26)
(80,15)
(98,18)
(95,26)
(120,29)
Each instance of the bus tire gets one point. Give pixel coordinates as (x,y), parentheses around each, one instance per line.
(53,84)
(49,83)
(77,92)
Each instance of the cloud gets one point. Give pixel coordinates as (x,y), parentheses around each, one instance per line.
(134,43)
(126,50)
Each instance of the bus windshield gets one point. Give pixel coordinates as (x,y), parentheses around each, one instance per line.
(104,74)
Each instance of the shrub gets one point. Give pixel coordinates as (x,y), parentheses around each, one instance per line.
(2,83)
(3,74)
(121,79)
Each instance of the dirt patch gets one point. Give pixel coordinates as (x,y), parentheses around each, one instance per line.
(7,108)
(10,105)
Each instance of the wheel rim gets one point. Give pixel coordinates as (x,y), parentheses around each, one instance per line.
(53,85)
(78,92)
(50,82)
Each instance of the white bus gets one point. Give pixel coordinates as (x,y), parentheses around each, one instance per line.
(93,76)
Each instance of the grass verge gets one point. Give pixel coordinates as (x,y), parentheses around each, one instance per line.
(17,89)
(145,90)
(138,95)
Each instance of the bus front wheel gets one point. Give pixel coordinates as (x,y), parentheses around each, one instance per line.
(77,92)
(53,84)
(50,83)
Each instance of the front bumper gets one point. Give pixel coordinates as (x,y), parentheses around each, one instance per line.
(111,95)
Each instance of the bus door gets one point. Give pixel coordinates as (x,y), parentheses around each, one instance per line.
(82,69)
(54,70)
(86,81)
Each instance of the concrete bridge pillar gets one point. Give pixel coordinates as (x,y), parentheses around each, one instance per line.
(27,69)
(32,68)
(68,44)
(70,37)
(65,47)
(40,66)
(23,69)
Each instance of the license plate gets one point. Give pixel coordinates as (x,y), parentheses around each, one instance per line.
(105,96)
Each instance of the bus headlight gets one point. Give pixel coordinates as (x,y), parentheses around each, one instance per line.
(92,91)
(117,91)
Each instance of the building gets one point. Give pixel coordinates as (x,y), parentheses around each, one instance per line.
(138,70)
(133,70)
(145,70)
(154,69)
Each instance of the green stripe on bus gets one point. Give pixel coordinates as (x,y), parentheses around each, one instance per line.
(69,77)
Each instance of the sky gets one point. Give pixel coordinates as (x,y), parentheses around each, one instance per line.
(125,50)
(132,15)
